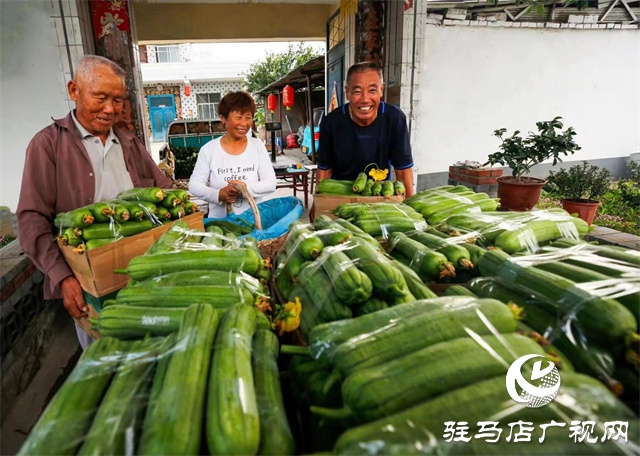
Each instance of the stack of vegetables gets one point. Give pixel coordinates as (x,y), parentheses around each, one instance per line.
(398,374)
(380,219)
(590,317)
(436,204)
(362,186)
(515,231)
(185,161)
(185,267)
(336,270)
(132,212)
(217,373)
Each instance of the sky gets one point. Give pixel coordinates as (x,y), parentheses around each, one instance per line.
(244,53)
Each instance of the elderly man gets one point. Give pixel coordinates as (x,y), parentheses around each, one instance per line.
(365,131)
(76,161)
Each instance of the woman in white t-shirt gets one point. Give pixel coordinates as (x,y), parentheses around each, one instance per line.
(233,158)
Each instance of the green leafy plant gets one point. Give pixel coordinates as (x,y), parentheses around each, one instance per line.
(580,182)
(633,168)
(259,117)
(521,154)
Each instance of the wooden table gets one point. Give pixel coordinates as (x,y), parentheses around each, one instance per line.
(297,179)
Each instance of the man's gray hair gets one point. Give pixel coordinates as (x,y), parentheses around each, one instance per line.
(361,67)
(89,63)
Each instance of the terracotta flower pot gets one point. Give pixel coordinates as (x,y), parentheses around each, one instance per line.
(586,209)
(519,194)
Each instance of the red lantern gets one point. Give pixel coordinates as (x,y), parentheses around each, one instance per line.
(272,103)
(187,88)
(287,96)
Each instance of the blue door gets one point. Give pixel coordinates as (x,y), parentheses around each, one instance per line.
(162,111)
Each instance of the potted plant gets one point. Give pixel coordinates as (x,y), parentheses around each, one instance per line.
(581,186)
(519,192)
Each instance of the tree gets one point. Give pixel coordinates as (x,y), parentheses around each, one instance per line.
(276,66)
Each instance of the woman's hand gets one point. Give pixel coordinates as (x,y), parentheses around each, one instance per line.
(237,182)
(227,194)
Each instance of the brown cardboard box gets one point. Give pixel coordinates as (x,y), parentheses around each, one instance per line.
(324,204)
(94,268)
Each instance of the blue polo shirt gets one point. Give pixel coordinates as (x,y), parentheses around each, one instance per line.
(347,148)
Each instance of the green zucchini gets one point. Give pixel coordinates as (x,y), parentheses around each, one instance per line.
(357,232)
(147,266)
(163,213)
(360,183)
(320,290)
(372,305)
(95,243)
(68,416)
(457,255)
(399,188)
(233,423)
(436,324)
(532,234)
(121,411)
(307,242)
(136,211)
(130,322)
(171,239)
(387,189)
(190,207)
(177,212)
(335,187)
(275,433)
(414,283)
(179,193)
(387,281)
(101,212)
(120,213)
(351,285)
(116,231)
(215,238)
(459,290)
(330,233)
(152,194)
(605,322)
(218,296)
(401,383)
(376,189)
(368,188)
(206,278)
(229,226)
(386,226)
(175,423)
(429,264)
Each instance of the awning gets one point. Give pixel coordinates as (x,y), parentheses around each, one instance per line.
(297,78)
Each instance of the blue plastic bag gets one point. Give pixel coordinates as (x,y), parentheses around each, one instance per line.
(276,216)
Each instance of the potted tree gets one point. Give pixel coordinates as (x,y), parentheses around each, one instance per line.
(519,192)
(581,186)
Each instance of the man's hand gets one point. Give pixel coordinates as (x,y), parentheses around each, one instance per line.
(72,298)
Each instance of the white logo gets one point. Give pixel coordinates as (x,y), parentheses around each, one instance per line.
(535,395)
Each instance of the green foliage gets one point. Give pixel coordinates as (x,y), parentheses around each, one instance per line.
(520,154)
(276,66)
(634,171)
(580,182)
(259,117)
(5,240)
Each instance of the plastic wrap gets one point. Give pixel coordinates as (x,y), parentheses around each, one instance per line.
(516,231)
(380,219)
(132,212)
(433,376)
(592,319)
(437,204)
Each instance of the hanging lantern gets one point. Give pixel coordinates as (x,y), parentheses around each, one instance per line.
(272,102)
(287,96)
(187,88)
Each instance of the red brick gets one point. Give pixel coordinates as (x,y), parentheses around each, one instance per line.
(480,180)
(496,172)
(456,176)
(454,169)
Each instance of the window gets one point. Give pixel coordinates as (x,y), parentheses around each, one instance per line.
(207,105)
(167,54)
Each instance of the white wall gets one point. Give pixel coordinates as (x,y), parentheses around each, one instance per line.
(32,84)
(474,80)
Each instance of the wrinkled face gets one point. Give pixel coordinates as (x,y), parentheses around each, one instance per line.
(238,123)
(364,91)
(99,99)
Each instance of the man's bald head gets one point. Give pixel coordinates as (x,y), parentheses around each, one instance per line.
(88,65)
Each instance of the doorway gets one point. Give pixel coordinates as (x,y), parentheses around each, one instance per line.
(162,111)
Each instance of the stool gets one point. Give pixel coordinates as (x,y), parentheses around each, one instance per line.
(313,169)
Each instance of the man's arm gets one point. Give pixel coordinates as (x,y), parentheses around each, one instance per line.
(406,176)
(323,174)
(35,214)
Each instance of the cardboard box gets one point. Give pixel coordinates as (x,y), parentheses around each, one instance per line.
(324,204)
(94,269)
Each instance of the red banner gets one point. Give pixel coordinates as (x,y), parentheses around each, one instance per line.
(106,12)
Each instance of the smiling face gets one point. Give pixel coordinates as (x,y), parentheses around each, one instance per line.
(99,97)
(238,124)
(364,91)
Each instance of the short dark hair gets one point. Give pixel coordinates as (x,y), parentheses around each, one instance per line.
(361,67)
(239,101)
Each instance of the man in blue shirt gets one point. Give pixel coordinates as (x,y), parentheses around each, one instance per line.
(365,131)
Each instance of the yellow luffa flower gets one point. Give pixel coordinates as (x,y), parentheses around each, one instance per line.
(288,319)
(379,174)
